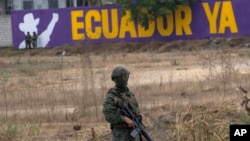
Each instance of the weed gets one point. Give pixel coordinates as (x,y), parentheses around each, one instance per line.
(34,129)
(10,131)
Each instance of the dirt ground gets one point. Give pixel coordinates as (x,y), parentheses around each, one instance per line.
(192,61)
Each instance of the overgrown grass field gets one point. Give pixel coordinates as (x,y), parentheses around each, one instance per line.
(184,95)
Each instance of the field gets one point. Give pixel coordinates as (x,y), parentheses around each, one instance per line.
(187,90)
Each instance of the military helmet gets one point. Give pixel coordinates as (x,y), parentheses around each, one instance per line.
(119,71)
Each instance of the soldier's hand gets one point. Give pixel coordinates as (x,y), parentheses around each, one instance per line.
(129,122)
(143,138)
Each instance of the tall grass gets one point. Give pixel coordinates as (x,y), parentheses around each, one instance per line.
(70,89)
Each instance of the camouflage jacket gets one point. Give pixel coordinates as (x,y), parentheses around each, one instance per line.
(110,106)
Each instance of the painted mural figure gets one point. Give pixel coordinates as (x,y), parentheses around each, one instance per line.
(30,25)
(28,41)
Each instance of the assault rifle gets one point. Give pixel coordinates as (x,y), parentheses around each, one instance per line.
(139,129)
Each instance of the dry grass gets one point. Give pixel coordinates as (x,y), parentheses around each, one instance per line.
(204,123)
(185,92)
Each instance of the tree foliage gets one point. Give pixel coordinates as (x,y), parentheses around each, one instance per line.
(145,11)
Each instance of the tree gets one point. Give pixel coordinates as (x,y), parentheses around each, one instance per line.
(145,11)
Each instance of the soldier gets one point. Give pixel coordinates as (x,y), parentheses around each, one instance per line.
(121,125)
(28,40)
(34,40)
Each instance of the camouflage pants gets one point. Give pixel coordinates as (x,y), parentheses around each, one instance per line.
(123,134)
(34,44)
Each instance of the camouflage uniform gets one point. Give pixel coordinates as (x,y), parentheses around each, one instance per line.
(28,41)
(120,130)
(34,40)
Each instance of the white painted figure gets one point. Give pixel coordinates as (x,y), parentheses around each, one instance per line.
(30,25)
